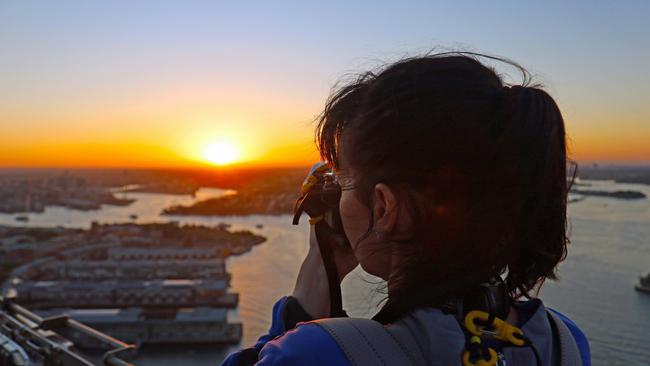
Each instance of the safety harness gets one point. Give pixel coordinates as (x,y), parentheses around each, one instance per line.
(366,342)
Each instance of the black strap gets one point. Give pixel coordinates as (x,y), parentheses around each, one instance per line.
(327,253)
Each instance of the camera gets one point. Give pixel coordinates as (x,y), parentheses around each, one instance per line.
(319,198)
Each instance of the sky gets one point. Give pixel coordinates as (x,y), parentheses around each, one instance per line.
(157,83)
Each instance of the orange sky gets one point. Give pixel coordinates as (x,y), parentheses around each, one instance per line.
(169,125)
(151,84)
(171,134)
(173,144)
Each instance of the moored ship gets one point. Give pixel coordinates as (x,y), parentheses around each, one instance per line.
(125,294)
(644,284)
(148,326)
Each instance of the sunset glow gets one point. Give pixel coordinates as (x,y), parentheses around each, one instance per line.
(221,153)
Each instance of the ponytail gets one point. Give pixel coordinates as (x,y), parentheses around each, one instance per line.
(536,121)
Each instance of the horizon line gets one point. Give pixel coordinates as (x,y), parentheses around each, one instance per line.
(631,163)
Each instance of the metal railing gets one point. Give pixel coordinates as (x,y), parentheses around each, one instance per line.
(28,334)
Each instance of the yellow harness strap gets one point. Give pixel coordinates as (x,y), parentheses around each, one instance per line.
(499,330)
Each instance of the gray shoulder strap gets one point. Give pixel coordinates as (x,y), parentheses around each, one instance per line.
(366,342)
(569,352)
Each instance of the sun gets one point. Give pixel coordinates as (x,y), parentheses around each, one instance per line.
(220,153)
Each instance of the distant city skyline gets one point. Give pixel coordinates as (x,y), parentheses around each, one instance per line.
(190,84)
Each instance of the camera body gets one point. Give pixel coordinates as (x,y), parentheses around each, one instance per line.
(319,198)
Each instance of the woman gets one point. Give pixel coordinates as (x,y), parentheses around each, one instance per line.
(453,189)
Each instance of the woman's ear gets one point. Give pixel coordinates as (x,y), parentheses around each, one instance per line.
(384,208)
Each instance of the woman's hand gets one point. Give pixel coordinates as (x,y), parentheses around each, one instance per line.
(312,288)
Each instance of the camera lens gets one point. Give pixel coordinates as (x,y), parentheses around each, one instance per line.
(331,193)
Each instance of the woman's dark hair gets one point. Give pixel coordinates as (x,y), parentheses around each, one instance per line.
(481,166)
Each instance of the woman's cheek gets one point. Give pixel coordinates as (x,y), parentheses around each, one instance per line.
(354,217)
(373,256)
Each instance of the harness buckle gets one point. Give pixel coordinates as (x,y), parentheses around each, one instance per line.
(492,361)
(502,330)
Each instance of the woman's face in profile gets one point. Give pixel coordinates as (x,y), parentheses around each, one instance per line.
(372,254)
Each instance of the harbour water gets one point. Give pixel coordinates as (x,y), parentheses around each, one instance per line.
(610,248)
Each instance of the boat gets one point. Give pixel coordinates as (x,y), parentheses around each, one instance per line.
(22,218)
(644,284)
(223,226)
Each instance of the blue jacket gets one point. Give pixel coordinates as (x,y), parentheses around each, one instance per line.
(290,343)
